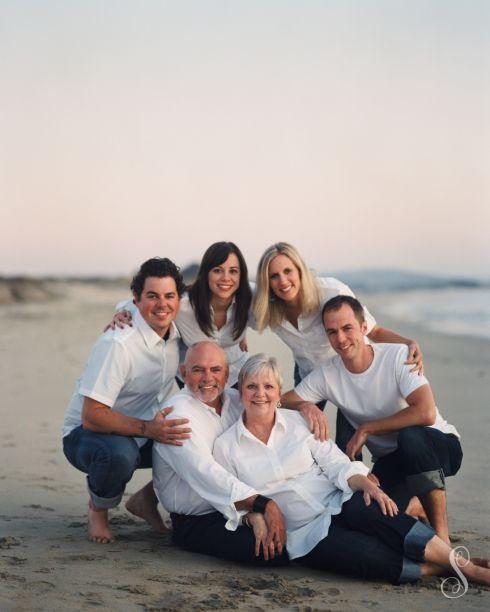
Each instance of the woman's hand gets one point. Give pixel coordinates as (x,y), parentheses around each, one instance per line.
(371,491)
(120,319)
(259,526)
(387,505)
(316,419)
(243,344)
(415,357)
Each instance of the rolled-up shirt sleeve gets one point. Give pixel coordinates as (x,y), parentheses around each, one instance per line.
(194,463)
(335,464)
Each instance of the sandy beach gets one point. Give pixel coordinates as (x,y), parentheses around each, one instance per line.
(46,562)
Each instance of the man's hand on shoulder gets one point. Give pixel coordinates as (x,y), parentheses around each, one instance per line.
(316,420)
(167,431)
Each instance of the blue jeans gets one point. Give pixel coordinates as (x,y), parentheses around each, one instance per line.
(108,460)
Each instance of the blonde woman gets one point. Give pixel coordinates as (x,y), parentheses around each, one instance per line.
(336,518)
(289,299)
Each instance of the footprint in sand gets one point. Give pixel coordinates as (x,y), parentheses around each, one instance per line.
(5,576)
(133,588)
(15,560)
(39,507)
(9,541)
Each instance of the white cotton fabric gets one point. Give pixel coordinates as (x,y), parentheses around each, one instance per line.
(377,393)
(187,479)
(309,343)
(131,370)
(305,477)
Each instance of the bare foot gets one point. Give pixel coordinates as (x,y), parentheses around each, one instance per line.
(98,525)
(481,562)
(477,573)
(416,510)
(144,504)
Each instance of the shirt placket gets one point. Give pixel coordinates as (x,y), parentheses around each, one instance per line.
(163,363)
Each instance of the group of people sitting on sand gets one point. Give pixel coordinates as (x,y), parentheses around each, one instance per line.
(248,473)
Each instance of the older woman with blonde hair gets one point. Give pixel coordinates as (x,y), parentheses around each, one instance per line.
(289,299)
(326,499)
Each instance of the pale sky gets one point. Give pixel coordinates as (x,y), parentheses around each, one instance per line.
(358,131)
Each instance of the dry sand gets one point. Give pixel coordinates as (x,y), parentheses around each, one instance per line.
(46,563)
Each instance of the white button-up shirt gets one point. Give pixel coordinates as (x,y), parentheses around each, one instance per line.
(191,333)
(131,370)
(309,343)
(187,479)
(305,477)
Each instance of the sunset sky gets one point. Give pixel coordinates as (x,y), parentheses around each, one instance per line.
(357,130)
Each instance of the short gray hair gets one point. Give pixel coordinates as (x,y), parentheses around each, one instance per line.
(256,365)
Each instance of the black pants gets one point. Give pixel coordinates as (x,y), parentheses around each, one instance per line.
(424,457)
(363,542)
(206,534)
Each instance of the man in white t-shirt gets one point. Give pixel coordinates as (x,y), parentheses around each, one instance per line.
(391,409)
(113,418)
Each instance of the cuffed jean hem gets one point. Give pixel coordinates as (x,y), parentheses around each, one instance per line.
(420,484)
(416,541)
(104,503)
(411,571)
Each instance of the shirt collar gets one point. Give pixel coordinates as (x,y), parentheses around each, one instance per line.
(242,431)
(150,336)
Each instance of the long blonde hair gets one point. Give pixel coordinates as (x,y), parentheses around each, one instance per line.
(268,309)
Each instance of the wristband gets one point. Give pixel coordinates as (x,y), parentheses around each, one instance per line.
(260,502)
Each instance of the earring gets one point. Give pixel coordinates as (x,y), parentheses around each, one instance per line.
(278,404)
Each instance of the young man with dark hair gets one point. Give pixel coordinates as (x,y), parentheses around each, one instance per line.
(390,408)
(113,416)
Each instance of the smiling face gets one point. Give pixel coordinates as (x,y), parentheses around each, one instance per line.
(224,280)
(346,333)
(159,303)
(260,393)
(205,372)
(284,279)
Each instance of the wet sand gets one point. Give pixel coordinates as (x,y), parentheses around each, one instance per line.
(46,563)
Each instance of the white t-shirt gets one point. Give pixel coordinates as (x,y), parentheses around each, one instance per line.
(131,370)
(309,343)
(305,477)
(191,333)
(376,393)
(187,479)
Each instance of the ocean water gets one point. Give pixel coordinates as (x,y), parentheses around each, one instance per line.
(460,311)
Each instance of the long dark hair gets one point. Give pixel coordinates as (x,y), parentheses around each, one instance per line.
(200,294)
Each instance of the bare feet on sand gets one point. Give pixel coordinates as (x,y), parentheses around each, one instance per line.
(98,525)
(481,562)
(144,504)
(416,510)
